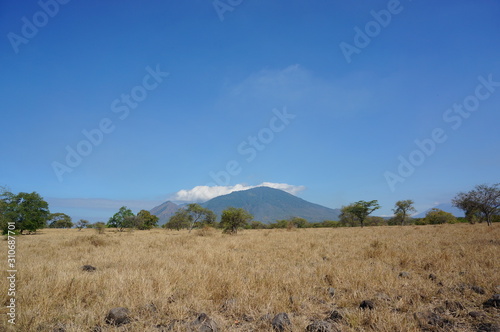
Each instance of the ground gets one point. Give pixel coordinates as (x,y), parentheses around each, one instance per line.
(416,277)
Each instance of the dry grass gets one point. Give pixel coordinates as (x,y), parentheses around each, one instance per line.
(163,275)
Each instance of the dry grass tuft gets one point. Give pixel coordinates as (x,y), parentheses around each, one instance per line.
(166,278)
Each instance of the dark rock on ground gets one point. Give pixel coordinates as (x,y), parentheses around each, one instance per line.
(88,268)
(430,319)
(203,323)
(335,316)
(493,302)
(281,322)
(477,314)
(118,316)
(478,289)
(433,277)
(321,326)
(488,327)
(367,304)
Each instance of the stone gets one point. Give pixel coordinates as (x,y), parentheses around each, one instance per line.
(429,319)
(203,323)
(367,304)
(493,302)
(478,289)
(335,316)
(433,277)
(88,268)
(281,322)
(118,316)
(477,314)
(320,326)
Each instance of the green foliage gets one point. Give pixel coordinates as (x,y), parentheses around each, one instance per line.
(437,216)
(146,220)
(82,223)
(482,203)
(402,209)
(118,219)
(181,219)
(200,216)
(28,211)
(357,212)
(59,220)
(257,225)
(233,218)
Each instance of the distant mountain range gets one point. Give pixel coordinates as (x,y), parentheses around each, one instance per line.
(264,203)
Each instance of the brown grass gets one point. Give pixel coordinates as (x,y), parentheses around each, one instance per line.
(163,275)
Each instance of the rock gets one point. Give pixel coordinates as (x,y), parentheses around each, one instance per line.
(335,316)
(477,314)
(488,327)
(281,322)
(433,277)
(428,319)
(493,302)
(203,323)
(331,291)
(118,316)
(320,326)
(404,274)
(88,268)
(367,304)
(478,289)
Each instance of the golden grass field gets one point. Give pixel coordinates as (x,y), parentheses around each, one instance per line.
(163,275)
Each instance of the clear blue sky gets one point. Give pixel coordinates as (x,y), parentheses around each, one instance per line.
(324,96)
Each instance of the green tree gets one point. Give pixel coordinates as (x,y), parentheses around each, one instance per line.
(482,202)
(28,211)
(437,216)
(179,220)
(59,220)
(147,220)
(118,219)
(402,209)
(82,223)
(347,218)
(360,210)
(232,218)
(199,216)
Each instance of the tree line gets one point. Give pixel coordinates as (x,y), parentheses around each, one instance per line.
(29,212)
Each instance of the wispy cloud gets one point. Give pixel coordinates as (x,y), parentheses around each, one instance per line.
(204,193)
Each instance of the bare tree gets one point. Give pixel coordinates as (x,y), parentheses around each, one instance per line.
(484,201)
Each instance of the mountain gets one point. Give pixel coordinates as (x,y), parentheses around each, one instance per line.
(269,204)
(447,207)
(164,211)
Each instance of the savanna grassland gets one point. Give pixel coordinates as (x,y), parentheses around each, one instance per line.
(242,281)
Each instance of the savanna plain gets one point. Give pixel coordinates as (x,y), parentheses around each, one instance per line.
(412,278)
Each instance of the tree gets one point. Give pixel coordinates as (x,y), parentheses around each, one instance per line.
(179,220)
(483,201)
(28,211)
(82,223)
(402,209)
(118,218)
(59,220)
(347,218)
(437,216)
(232,218)
(146,220)
(361,209)
(199,216)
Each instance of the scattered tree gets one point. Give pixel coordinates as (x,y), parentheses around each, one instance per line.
(482,202)
(199,216)
(59,220)
(28,211)
(146,220)
(360,210)
(82,223)
(118,219)
(233,218)
(437,216)
(402,209)
(179,220)
(100,227)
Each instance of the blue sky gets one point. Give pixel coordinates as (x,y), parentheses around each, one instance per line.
(325,99)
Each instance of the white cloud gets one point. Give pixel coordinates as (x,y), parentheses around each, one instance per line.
(205,193)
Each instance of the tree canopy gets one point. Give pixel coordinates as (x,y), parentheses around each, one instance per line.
(403,208)
(358,211)
(59,220)
(482,202)
(28,211)
(232,218)
(118,220)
